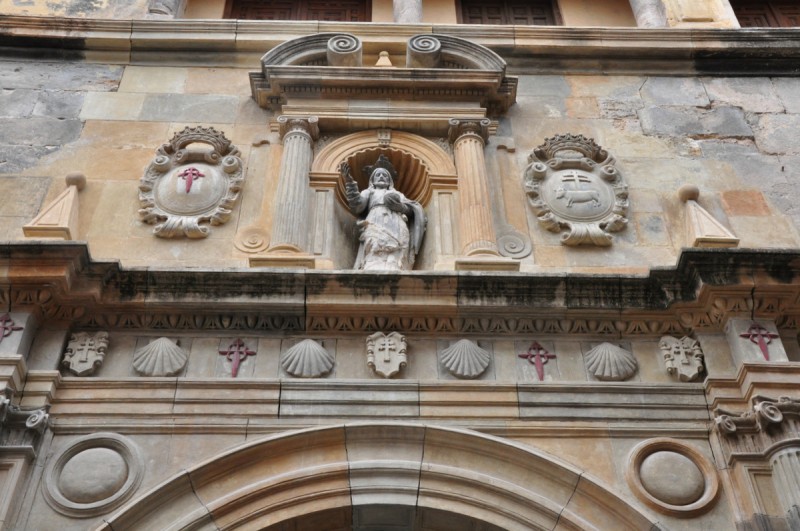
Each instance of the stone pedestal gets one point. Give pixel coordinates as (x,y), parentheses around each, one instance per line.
(649,13)
(289,239)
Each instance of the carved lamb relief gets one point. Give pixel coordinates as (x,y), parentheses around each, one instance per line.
(184,187)
(572,184)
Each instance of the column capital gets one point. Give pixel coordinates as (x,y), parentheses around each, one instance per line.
(461,128)
(308,125)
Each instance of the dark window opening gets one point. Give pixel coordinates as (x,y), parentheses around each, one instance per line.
(346,11)
(766,13)
(531,13)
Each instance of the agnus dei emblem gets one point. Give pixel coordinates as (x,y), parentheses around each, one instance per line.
(572,184)
(186,186)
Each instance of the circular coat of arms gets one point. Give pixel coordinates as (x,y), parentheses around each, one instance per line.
(572,184)
(185,186)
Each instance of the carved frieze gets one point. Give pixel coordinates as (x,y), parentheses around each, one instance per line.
(464,359)
(185,188)
(85,353)
(161,357)
(573,184)
(307,359)
(386,353)
(682,357)
(610,363)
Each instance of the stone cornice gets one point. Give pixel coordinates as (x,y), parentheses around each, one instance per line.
(60,282)
(526,49)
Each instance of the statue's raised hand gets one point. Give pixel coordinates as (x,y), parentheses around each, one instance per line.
(344,171)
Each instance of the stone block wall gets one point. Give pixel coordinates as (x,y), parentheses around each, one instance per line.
(732,137)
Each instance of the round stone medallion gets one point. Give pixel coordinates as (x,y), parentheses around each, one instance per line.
(93,475)
(672,478)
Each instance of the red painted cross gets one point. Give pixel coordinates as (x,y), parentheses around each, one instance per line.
(237,352)
(761,337)
(537,356)
(190,175)
(7,326)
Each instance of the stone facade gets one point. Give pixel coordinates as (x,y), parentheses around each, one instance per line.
(598,330)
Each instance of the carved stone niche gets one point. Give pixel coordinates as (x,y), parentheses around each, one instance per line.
(573,184)
(185,187)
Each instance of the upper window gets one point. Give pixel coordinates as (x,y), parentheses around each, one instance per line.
(530,13)
(767,13)
(345,11)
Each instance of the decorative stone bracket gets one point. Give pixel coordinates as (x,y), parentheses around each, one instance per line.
(21,426)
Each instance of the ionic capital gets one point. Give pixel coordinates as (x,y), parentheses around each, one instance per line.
(461,129)
(295,124)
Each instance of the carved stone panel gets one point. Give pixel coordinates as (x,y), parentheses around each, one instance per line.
(386,353)
(85,352)
(682,357)
(185,187)
(572,184)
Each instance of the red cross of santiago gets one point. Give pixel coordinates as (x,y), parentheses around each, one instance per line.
(761,337)
(537,356)
(7,326)
(190,175)
(237,352)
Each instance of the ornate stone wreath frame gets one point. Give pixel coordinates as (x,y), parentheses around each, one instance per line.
(173,155)
(576,152)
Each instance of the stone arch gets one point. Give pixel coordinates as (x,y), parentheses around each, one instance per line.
(422,165)
(282,477)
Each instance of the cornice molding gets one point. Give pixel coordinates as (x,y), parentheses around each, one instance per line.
(60,282)
(525,49)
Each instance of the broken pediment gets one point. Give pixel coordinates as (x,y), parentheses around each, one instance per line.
(437,68)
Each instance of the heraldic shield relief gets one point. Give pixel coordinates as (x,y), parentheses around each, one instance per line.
(185,186)
(572,184)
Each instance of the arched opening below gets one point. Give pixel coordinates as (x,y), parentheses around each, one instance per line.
(383,518)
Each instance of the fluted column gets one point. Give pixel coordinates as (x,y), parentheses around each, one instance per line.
(649,13)
(786,477)
(289,223)
(407,11)
(476,224)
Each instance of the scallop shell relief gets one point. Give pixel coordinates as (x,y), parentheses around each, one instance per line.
(610,363)
(307,359)
(161,357)
(464,359)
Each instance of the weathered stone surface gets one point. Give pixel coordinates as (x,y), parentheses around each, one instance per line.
(619,108)
(189,108)
(720,122)
(153,79)
(14,159)
(63,76)
(58,104)
(751,94)
(777,134)
(16,103)
(788,90)
(543,86)
(39,131)
(112,106)
(674,91)
(22,196)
